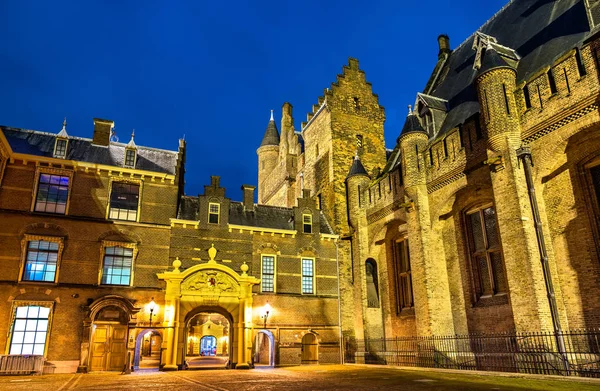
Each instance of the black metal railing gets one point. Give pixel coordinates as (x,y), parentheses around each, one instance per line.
(534,352)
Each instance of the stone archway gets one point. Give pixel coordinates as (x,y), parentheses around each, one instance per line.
(264,348)
(205,285)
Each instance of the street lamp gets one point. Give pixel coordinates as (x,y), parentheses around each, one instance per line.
(265,314)
(152,307)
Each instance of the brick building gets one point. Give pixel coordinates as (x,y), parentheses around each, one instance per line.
(440,235)
(452,231)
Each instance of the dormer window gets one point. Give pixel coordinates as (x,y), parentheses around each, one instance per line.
(130,152)
(60,145)
(60,148)
(307,223)
(428,118)
(130,155)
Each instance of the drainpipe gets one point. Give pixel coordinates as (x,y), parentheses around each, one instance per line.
(337,264)
(524,155)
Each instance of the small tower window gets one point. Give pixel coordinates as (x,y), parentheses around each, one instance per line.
(527,97)
(213,212)
(356,103)
(307,223)
(506,104)
(580,65)
(552,82)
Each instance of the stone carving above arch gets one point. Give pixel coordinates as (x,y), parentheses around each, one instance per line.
(112,300)
(212,282)
(307,251)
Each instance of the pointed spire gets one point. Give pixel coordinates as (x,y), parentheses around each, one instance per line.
(412,123)
(271,136)
(131,143)
(491,60)
(357,168)
(63,131)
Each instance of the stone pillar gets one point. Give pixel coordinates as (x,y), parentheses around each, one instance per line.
(524,274)
(85,347)
(431,289)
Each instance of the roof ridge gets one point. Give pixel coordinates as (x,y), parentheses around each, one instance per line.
(485,24)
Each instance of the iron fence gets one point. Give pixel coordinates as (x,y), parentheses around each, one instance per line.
(534,352)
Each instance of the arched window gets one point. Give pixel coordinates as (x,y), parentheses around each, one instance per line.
(372,284)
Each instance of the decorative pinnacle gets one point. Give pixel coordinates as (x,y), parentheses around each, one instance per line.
(272,116)
(65,123)
(132,133)
(410,109)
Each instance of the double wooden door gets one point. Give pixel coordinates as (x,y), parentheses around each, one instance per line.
(109,347)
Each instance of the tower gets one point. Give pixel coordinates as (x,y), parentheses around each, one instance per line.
(267,156)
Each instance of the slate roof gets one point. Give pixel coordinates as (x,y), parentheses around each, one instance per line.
(81,149)
(271,136)
(491,60)
(357,168)
(411,125)
(434,102)
(263,216)
(539,30)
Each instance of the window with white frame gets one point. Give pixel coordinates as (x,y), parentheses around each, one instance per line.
(52,193)
(117,265)
(29,330)
(60,148)
(213,212)
(124,201)
(41,261)
(267,283)
(307,223)
(308,276)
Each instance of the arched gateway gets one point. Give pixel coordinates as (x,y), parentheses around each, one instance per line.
(208,286)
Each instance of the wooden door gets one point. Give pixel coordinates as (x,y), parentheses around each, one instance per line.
(109,347)
(310,353)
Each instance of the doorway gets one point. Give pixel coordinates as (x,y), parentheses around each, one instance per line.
(310,349)
(109,340)
(208,341)
(148,350)
(264,349)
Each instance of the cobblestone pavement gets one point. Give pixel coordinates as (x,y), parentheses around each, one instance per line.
(334,377)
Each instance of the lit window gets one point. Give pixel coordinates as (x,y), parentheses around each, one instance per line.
(60,148)
(268,274)
(124,200)
(52,194)
(30,330)
(213,213)
(308,275)
(41,261)
(116,268)
(486,255)
(307,223)
(130,158)
(403,277)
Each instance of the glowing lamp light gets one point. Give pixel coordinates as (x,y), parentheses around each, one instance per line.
(265,314)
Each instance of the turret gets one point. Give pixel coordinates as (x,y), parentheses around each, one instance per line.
(357,181)
(267,155)
(495,82)
(413,142)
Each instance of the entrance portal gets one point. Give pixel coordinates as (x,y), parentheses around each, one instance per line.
(310,352)
(109,340)
(147,350)
(208,341)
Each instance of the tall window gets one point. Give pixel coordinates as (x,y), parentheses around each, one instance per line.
(124,200)
(41,261)
(52,194)
(403,277)
(268,274)
(213,213)
(308,276)
(60,148)
(129,157)
(116,268)
(307,223)
(30,330)
(372,284)
(486,256)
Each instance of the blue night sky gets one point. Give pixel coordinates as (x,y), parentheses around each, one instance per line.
(212,70)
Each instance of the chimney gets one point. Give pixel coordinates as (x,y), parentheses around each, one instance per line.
(248,197)
(444,44)
(214,181)
(305,193)
(102,131)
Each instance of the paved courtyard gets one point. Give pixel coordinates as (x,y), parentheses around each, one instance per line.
(335,377)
